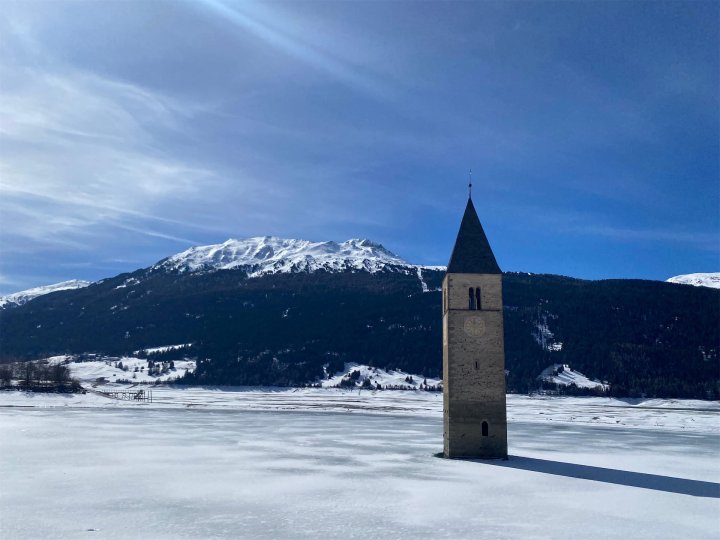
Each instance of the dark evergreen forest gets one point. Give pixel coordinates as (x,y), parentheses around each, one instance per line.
(643,337)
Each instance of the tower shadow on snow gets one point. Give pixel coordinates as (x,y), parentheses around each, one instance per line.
(669,484)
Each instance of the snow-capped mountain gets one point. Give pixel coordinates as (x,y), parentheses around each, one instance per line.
(272,255)
(707,279)
(20,298)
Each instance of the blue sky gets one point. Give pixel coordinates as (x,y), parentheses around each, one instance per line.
(133,130)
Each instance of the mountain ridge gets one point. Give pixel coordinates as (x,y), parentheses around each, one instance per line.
(270,254)
(22,297)
(264,255)
(701,279)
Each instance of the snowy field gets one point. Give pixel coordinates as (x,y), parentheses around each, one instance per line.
(217,463)
(128,368)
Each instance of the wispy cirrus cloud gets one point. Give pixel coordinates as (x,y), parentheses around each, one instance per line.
(129,129)
(79,150)
(282,31)
(85,173)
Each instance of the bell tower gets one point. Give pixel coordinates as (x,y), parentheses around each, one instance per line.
(474,409)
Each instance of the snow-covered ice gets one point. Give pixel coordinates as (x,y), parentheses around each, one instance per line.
(222,463)
(645,414)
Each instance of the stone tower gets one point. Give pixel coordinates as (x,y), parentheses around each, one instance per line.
(475,424)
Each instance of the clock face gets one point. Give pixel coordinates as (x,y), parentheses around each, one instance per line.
(474,326)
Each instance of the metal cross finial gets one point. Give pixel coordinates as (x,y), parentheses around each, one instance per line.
(470,185)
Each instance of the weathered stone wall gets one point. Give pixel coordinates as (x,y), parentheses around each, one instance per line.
(474,368)
(458,285)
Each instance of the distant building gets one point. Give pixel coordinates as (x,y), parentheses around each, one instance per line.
(474,408)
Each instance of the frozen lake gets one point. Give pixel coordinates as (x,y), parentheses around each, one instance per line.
(163,471)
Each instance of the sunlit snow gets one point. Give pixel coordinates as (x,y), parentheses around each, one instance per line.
(564,375)
(319,463)
(379,376)
(707,279)
(20,298)
(126,368)
(270,255)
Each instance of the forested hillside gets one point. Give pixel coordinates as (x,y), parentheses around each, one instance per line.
(643,337)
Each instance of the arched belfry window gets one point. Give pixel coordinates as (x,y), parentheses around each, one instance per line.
(484,429)
(472,299)
(478,301)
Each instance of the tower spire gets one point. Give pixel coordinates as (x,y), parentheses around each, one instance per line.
(472,253)
(470,185)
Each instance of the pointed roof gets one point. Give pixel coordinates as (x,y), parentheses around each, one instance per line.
(472,253)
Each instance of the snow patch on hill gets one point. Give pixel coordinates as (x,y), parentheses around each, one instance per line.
(564,375)
(125,368)
(163,349)
(423,284)
(272,255)
(390,378)
(544,336)
(707,279)
(22,297)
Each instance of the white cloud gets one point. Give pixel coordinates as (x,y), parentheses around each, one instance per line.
(287,34)
(77,150)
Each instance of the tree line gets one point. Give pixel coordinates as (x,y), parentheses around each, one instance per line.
(37,377)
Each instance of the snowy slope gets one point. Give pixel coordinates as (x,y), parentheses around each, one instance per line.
(163,349)
(20,298)
(272,255)
(126,368)
(390,378)
(707,279)
(544,336)
(567,376)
